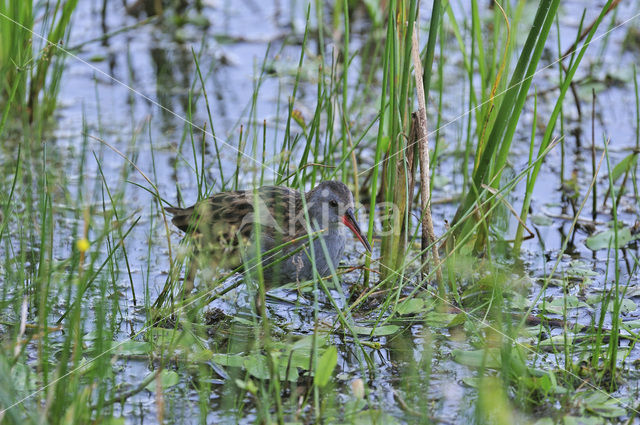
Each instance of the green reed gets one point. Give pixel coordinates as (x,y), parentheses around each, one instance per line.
(32,67)
(77,369)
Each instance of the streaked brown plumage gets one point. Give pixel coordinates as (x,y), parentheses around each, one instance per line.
(224,226)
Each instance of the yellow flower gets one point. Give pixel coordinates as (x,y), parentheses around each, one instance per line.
(82,245)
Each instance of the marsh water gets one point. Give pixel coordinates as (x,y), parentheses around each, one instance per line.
(127,86)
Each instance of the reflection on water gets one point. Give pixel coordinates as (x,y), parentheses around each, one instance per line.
(230,39)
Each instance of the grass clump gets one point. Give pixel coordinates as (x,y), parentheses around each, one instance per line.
(31,63)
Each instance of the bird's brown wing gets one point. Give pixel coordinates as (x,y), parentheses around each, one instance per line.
(215,223)
(278,210)
(227,219)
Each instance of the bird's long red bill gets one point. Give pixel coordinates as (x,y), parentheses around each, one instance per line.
(350,221)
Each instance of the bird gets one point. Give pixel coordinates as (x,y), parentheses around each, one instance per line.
(275,226)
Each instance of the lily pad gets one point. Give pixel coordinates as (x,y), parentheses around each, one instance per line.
(606,239)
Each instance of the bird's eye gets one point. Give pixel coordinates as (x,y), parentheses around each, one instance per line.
(333,203)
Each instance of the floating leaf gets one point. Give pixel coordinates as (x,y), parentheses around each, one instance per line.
(558,305)
(603,405)
(471,381)
(410,306)
(633,324)
(257,366)
(174,338)
(541,220)
(200,356)
(557,341)
(579,268)
(439,320)
(626,306)
(518,301)
(377,331)
(133,348)
(478,358)
(168,378)
(326,365)
(232,360)
(606,239)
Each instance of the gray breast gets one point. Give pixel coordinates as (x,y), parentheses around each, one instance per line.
(298,265)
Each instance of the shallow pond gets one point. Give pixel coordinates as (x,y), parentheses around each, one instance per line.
(129,86)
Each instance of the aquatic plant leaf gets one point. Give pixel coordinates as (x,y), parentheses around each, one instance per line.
(541,220)
(232,360)
(579,268)
(168,378)
(633,291)
(603,405)
(460,319)
(326,364)
(557,306)
(22,378)
(440,320)
(478,358)
(626,306)
(306,343)
(633,324)
(257,366)
(624,166)
(606,239)
(377,331)
(518,301)
(199,355)
(410,306)
(133,348)
(172,338)
(557,341)
(471,381)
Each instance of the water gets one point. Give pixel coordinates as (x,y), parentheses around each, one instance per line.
(132,90)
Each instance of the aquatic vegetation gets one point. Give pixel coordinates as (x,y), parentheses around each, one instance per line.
(530,315)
